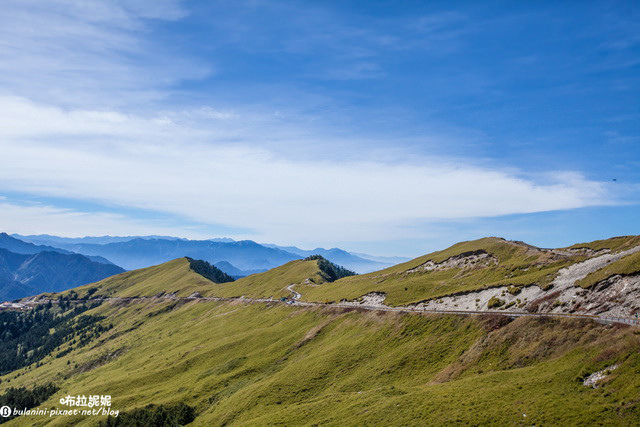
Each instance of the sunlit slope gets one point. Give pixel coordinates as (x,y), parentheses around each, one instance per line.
(171,277)
(272,283)
(500,262)
(627,265)
(469,266)
(239,363)
(177,277)
(466,266)
(614,244)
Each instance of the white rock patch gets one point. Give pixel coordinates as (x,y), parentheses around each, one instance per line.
(618,297)
(465,261)
(374,299)
(593,379)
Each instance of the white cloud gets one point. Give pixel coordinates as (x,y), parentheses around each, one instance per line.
(190,171)
(46,219)
(79,119)
(89,53)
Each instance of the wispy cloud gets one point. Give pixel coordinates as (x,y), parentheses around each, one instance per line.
(154,163)
(40,218)
(95,109)
(89,52)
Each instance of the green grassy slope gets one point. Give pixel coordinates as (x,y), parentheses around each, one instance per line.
(615,244)
(518,264)
(240,363)
(627,265)
(272,283)
(173,276)
(177,277)
(515,264)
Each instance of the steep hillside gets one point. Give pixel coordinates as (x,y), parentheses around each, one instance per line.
(22,275)
(463,267)
(183,277)
(241,363)
(175,277)
(468,267)
(256,361)
(277,282)
(614,244)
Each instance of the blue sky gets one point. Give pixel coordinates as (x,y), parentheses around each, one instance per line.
(395,128)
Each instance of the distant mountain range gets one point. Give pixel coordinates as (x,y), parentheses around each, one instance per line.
(341,257)
(18,246)
(236,258)
(234,272)
(23,275)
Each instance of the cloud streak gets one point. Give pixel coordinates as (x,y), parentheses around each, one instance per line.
(278,126)
(90,53)
(189,171)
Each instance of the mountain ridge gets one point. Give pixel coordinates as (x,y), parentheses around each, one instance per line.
(22,275)
(86,246)
(249,359)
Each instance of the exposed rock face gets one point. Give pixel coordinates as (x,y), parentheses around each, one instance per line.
(593,379)
(467,260)
(617,296)
(580,251)
(375,299)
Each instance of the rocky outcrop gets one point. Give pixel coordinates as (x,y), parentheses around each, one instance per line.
(467,260)
(615,296)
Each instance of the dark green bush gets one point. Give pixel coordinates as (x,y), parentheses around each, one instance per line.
(154,416)
(495,303)
(22,398)
(209,271)
(330,271)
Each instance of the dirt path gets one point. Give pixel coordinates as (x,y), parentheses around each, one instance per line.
(296,295)
(471,303)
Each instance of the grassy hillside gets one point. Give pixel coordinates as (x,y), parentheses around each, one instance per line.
(254,363)
(501,262)
(178,277)
(627,265)
(615,244)
(173,276)
(515,264)
(239,363)
(272,283)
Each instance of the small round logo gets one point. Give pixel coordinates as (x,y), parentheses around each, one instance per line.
(5,411)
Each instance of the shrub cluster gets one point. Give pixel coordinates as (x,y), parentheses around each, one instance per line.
(209,271)
(26,337)
(330,271)
(22,398)
(495,303)
(153,416)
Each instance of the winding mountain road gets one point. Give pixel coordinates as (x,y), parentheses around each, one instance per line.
(400,309)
